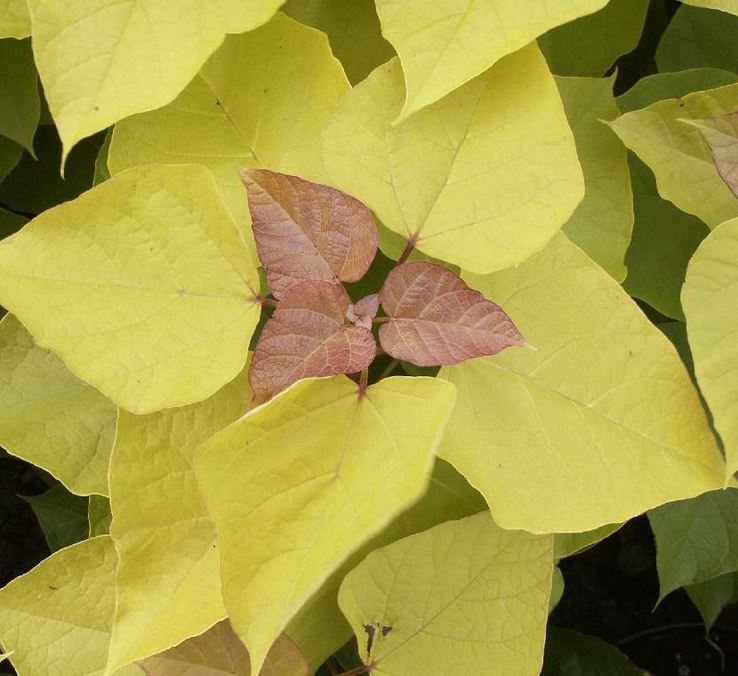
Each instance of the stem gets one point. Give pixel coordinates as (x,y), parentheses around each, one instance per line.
(390,367)
(408,249)
(364,668)
(363,384)
(380,320)
(267,302)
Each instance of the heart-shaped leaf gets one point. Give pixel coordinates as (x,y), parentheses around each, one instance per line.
(307,337)
(721,135)
(306,230)
(435,318)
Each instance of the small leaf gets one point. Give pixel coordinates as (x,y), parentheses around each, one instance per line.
(98,515)
(435,318)
(19,101)
(557,589)
(721,134)
(61,515)
(363,312)
(711,596)
(305,230)
(569,653)
(307,337)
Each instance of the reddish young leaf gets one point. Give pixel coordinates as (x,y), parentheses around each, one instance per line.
(305,230)
(307,337)
(436,319)
(721,134)
(363,312)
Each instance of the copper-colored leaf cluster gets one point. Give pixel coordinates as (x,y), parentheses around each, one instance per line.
(311,238)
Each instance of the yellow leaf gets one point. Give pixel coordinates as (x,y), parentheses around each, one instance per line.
(298,484)
(15,21)
(730,6)
(465,597)
(168,582)
(56,619)
(50,417)
(470,177)
(240,111)
(445,43)
(678,155)
(598,425)
(103,60)
(135,277)
(710,301)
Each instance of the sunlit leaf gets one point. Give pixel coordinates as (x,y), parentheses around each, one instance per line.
(677,154)
(140,272)
(15,21)
(696,540)
(352,28)
(61,515)
(298,484)
(569,653)
(410,603)
(590,45)
(443,45)
(602,223)
(103,60)
(19,102)
(308,336)
(305,230)
(568,544)
(242,110)
(98,515)
(711,596)
(468,179)
(50,417)
(554,451)
(710,301)
(721,135)
(435,318)
(168,582)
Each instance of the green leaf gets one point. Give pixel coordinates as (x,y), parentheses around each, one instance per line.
(698,37)
(10,222)
(710,300)
(98,515)
(140,272)
(569,653)
(443,45)
(10,153)
(664,240)
(722,5)
(590,45)
(240,110)
(61,515)
(410,604)
(352,28)
(102,173)
(677,154)
(696,540)
(601,225)
(558,453)
(711,596)
(297,485)
(568,544)
(319,627)
(557,589)
(468,178)
(654,88)
(15,21)
(168,582)
(56,619)
(20,107)
(50,417)
(148,55)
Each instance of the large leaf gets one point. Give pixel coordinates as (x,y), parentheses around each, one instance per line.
(677,154)
(602,223)
(352,28)
(435,318)
(721,135)
(308,336)
(19,102)
(443,45)
(468,179)
(569,653)
(300,483)
(15,21)
(50,417)
(723,5)
(555,452)
(103,60)
(463,597)
(696,540)
(140,272)
(168,582)
(697,37)
(590,45)
(710,301)
(56,619)
(61,515)
(240,110)
(305,230)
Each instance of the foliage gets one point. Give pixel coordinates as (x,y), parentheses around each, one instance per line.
(225,231)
